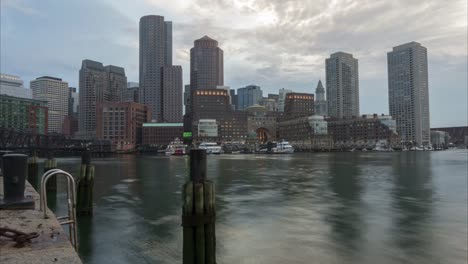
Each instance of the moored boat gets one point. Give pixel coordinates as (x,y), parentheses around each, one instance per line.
(210,147)
(176,148)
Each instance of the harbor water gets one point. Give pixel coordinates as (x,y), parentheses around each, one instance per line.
(360,207)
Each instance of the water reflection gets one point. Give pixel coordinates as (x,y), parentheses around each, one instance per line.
(412,199)
(344,215)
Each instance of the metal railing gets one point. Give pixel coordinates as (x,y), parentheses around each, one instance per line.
(69,219)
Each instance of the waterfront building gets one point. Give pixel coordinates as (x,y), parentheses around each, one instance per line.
(306,132)
(55,92)
(248,96)
(121,123)
(172,94)
(363,132)
(13,86)
(457,135)
(98,84)
(342,85)
(262,122)
(215,104)
(298,105)
(206,64)
(321,107)
(161,133)
(207,129)
(23,114)
(70,125)
(439,139)
(282,98)
(160,81)
(408,92)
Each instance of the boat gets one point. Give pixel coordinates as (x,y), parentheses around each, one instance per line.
(176,148)
(282,147)
(210,147)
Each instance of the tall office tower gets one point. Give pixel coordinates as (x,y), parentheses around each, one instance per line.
(117,82)
(342,85)
(97,84)
(152,59)
(72,101)
(187,97)
(320,102)
(206,64)
(12,85)
(282,98)
(172,94)
(408,92)
(248,96)
(92,85)
(55,92)
(168,42)
(155,53)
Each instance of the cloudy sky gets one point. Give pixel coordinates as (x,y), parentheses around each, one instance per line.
(271,43)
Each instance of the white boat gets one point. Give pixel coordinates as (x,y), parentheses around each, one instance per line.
(282,148)
(177,148)
(210,147)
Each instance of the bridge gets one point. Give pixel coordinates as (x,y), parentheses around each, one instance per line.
(17,140)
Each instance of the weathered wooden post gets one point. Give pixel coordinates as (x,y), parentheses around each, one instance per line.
(50,164)
(33,170)
(198,213)
(85,185)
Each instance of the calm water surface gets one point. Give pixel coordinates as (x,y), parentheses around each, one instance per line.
(401,207)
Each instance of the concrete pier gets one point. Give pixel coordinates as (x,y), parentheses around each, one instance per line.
(52,245)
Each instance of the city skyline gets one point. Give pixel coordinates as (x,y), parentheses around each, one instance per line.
(294,66)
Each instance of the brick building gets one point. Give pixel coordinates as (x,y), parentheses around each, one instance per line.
(365,131)
(298,105)
(121,122)
(70,125)
(161,133)
(23,114)
(215,104)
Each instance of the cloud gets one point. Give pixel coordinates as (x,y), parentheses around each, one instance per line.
(271,43)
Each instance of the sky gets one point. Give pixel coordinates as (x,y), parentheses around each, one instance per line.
(271,43)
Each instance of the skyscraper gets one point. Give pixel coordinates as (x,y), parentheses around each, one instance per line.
(320,102)
(97,84)
(155,54)
(172,94)
(342,85)
(55,92)
(117,82)
(408,92)
(206,64)
(282,98)
(152,58)
(248,96)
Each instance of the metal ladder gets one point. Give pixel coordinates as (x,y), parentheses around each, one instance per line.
(69,219)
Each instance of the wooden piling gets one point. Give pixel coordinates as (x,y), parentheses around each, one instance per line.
(187,210)
(209,203)
(198,217)
(85,186)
